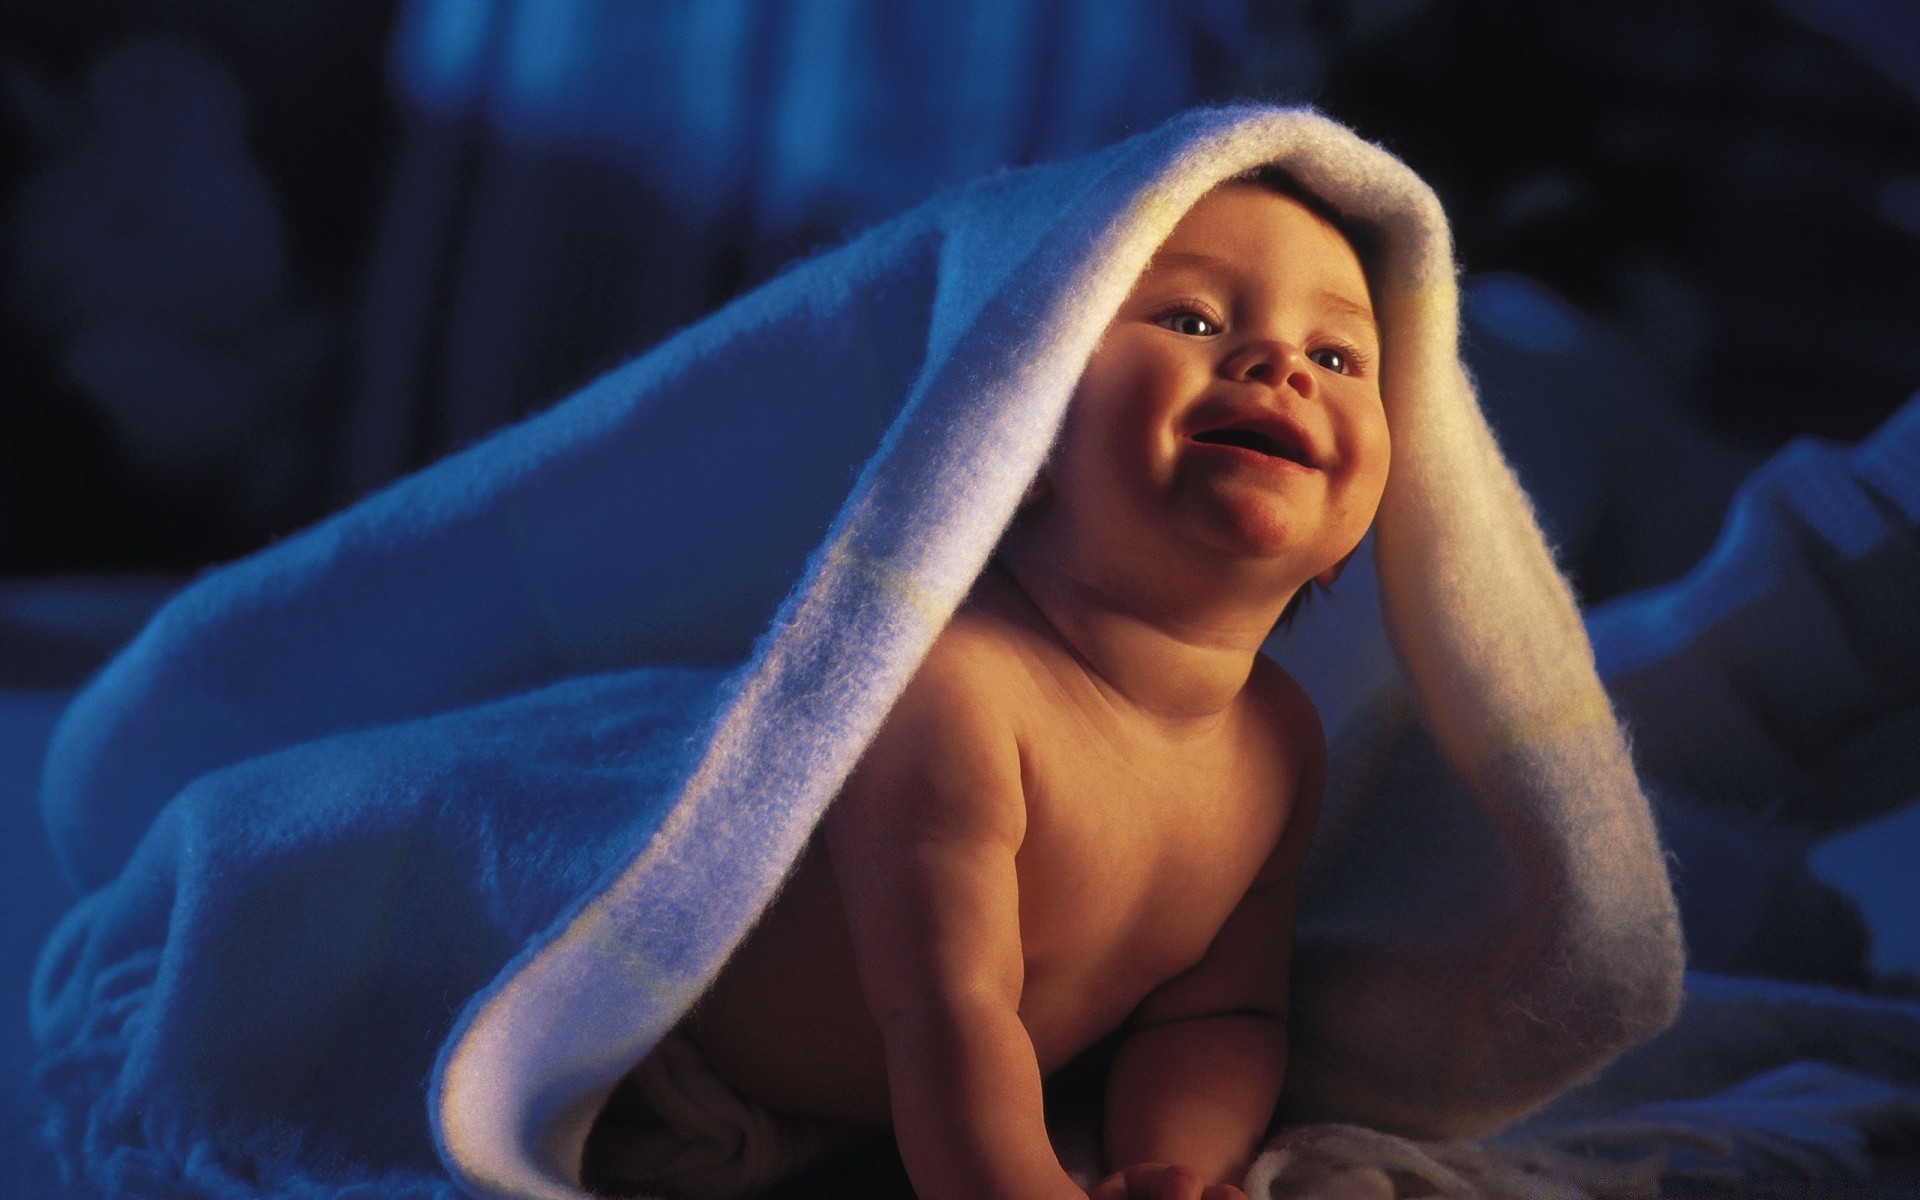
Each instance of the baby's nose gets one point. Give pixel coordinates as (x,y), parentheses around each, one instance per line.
(1272,363)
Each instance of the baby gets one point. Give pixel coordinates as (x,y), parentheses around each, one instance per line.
(1087,811)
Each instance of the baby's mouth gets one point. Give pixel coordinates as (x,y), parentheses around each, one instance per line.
(1274,443)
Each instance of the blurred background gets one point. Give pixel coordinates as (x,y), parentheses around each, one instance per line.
(257,260)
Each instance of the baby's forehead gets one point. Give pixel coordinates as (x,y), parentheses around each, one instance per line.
(1241,225)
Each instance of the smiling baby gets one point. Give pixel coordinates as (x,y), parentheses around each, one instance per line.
(1086,813)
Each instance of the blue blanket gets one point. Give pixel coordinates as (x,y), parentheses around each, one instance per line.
(402,840)
(330,907)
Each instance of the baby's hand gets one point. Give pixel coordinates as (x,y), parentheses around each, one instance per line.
(1161,1181)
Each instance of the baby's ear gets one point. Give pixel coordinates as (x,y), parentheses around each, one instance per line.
(1325,578)
(1037,490)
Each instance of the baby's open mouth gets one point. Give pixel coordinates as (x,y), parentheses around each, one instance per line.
(1258,440)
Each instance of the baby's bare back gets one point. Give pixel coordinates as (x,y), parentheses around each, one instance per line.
(1139,842)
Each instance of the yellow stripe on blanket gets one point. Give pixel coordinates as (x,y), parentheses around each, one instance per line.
(1590,711)
(857,564)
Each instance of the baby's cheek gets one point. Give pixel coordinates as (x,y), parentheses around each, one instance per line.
(1367,458)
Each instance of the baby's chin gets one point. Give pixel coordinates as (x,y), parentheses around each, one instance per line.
(1257,526)
(1301,526)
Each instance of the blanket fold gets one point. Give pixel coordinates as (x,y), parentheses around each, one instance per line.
(406,837)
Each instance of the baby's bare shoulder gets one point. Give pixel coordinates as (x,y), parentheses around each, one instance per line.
(947,751)
(961,690)
(979,648)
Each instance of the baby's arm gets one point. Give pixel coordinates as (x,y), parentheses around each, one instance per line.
(1197,1077)
(922,841)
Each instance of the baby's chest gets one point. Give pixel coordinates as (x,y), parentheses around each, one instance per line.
(1140,863)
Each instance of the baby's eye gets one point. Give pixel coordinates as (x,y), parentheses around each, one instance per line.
(1188,322)
(1333,359)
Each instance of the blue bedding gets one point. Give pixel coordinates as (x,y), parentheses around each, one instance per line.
(36,896)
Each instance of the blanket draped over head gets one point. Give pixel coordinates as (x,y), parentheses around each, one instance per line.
(402,839)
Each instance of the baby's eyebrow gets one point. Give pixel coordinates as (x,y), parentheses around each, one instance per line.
(1187,256)
(1351,308)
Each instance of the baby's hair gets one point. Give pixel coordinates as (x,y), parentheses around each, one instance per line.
(1364,242)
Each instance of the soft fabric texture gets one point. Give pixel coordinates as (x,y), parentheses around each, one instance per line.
(1794,647)
(1759,1082)
(406,837)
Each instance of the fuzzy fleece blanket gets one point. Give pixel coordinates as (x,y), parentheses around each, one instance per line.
(403,839)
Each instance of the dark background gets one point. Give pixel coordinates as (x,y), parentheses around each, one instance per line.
(260,258)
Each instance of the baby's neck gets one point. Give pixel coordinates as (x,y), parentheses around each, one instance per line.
(1182,668)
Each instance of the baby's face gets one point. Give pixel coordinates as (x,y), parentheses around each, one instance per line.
(1235,399)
